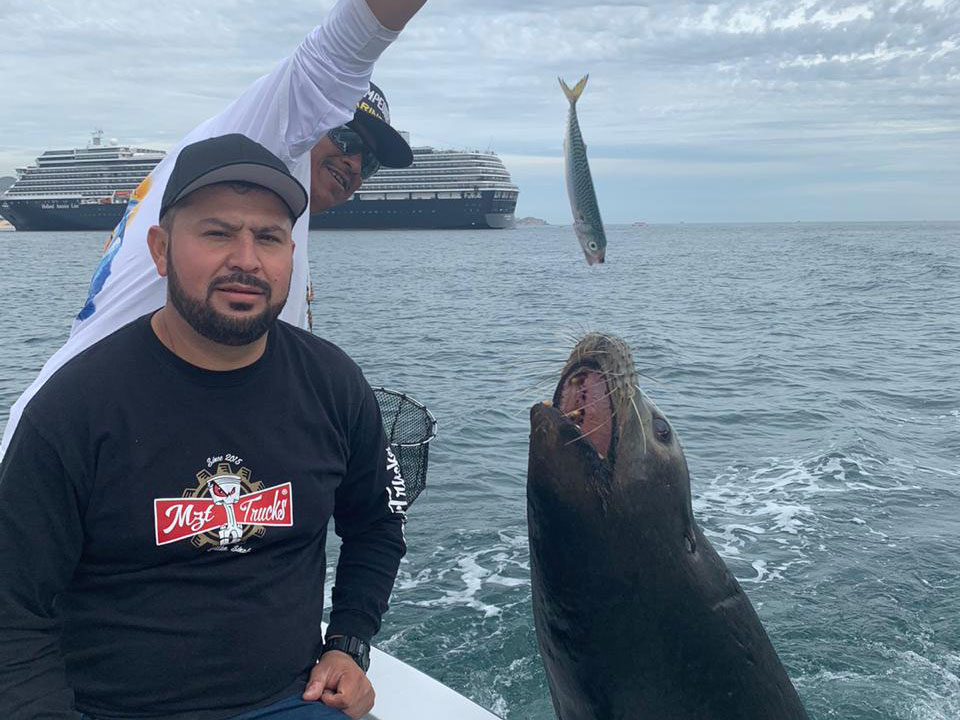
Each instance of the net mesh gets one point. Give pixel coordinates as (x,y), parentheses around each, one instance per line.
(410,427)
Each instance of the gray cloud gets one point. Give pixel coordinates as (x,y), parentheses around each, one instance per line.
(844,94)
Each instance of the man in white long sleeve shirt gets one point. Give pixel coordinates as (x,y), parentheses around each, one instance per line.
(291,112)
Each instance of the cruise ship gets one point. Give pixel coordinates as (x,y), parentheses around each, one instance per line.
(442,189)
(88,189)
(79,189)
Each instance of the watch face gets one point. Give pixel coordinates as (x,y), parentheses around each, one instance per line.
(364,659)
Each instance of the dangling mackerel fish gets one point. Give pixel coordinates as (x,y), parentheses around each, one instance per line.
(583,200)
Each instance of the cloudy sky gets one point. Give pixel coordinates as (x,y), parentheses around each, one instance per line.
(695,111)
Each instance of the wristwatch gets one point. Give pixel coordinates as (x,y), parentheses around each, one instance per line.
(352,646)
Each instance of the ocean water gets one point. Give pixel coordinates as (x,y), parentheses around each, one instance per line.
(812,372)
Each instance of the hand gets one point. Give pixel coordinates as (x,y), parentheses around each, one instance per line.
(338,682)
(394,14)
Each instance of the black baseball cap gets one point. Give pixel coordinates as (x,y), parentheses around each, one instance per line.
(373,116)
(232,158)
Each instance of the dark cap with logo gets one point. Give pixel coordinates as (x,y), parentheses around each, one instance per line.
(372,120)
(232,158)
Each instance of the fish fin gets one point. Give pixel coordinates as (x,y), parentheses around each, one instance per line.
(574,95)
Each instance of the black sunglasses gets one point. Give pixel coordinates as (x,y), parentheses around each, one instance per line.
(350,143)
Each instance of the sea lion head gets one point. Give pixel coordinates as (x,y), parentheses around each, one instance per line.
(601,449)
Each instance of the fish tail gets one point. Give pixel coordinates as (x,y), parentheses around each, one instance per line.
(574,95)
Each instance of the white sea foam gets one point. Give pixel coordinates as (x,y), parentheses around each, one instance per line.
(916,687)
(827,677)
(472,575)
(477,571)
(761,567)
(519,671)
(934,688)
(779,511)
(497,579)
(743,509)
(483,691)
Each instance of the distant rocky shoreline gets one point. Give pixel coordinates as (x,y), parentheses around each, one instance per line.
(525,221)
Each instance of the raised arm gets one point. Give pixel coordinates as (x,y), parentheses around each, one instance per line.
(394,14)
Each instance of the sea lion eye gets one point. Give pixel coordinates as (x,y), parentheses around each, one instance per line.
(661,429)
(592,245)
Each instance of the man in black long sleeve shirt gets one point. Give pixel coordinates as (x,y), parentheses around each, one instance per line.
(165,498)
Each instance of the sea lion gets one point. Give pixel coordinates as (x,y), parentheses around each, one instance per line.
(636,614)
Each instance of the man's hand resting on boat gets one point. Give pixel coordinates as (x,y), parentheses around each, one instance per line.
(338,682)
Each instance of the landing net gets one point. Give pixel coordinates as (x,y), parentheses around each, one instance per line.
(410,427)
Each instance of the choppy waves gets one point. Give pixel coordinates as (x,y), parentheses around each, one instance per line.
(810,371)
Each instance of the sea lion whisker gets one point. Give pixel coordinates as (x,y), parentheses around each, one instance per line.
(540,389)
(554,353)
(580,352)
(645,396)
(643,392)
(584,435)
(604,397)
(537,380)
(577,410)
(617,343)
(643,432)
(650,378)
(570,338)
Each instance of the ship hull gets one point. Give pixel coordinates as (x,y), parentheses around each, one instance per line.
(63,215)
(445,214)
(421,214)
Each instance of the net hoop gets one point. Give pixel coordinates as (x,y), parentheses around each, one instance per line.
(431,433)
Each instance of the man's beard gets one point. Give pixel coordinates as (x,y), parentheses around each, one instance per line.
(215,326)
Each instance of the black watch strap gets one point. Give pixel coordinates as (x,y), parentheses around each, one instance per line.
(352,646)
